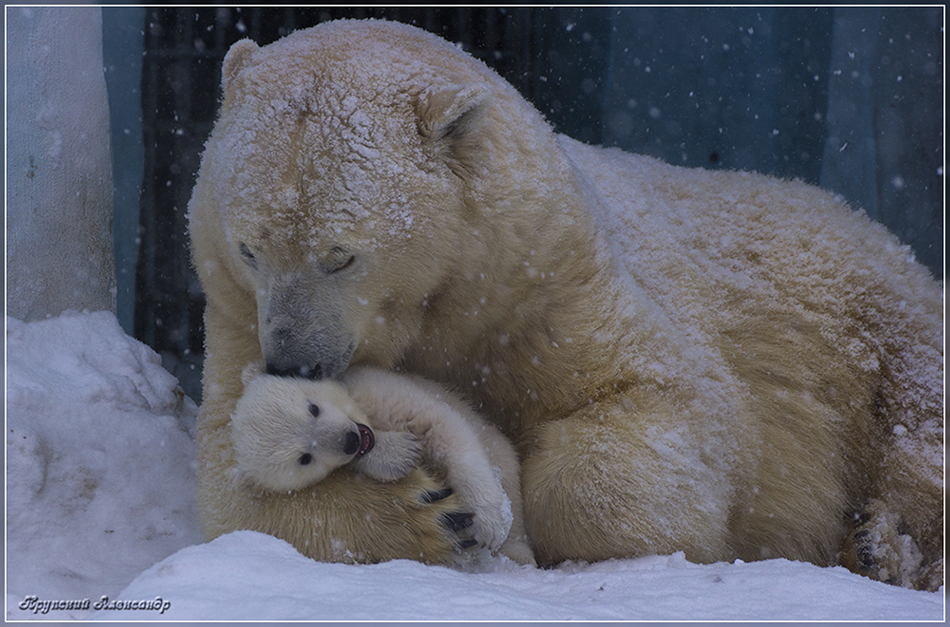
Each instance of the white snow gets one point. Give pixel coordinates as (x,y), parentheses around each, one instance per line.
(100,502)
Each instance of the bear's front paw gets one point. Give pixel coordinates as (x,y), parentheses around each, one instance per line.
(394,455)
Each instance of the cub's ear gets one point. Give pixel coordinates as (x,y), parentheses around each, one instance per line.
(251,371)
(450,120)
(238,58)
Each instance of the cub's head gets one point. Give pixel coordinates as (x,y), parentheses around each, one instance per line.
(289,433)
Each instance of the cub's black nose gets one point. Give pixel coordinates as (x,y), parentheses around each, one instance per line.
(352,443)
(314,373)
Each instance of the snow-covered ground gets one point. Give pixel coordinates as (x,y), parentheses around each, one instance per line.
(100,502)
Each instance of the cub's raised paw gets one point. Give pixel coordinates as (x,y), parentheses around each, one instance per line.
(492,516)
(394,455)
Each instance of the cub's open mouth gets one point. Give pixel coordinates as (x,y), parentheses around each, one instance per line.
(367,440)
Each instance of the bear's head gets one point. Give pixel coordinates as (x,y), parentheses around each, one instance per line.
(289,433)
(360,174)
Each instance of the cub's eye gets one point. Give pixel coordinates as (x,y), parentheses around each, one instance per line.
(305,459)
(247,255)
(314,410)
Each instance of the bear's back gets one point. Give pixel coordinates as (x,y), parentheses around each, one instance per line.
(693,238)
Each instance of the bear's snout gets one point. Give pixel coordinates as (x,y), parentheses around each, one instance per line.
(315,358)
(314,373)
(303,327)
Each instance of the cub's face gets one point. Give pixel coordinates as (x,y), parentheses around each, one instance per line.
(291,433)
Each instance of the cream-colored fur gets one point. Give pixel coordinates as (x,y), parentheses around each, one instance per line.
(721,363)
(290,433)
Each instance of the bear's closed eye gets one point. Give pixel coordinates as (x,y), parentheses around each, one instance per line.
(248,255)
(314,410)
(339,259)
(343,266)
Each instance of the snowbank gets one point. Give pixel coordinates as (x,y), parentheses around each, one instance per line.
(100,502)
(248,574)
(99,468)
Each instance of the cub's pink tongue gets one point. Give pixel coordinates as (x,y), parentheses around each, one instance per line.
(367,440)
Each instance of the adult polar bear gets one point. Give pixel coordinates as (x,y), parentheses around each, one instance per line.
(720,363)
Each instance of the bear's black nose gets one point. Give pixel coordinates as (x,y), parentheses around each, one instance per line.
(314,373)
(352,443)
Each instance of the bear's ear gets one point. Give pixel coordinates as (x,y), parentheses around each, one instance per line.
(238,58)
(251,371)
(450,118)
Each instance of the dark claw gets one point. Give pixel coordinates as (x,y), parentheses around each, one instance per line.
(467,544)
(866,558)
(457,521)
(436,495)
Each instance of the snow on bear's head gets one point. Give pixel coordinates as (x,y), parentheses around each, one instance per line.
(290,433)
(342,170)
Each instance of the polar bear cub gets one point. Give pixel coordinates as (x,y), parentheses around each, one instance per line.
(290,433)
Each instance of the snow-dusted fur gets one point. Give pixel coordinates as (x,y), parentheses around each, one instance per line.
(290,433)
(721,363)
